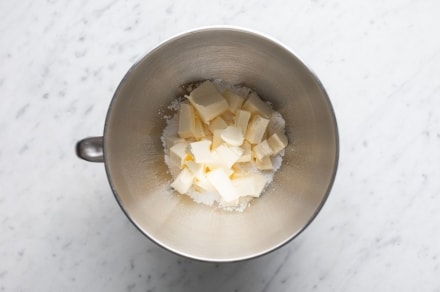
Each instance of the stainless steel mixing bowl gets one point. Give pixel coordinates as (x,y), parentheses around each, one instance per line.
(134,158)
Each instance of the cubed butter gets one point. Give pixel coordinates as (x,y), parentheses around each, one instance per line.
(232,135)
(256,105)
(242,120)
(229,118)
(221,182)
(217,138)
(264,164)
(234,101)
(217,124)
(179,153)
(197,169)
(247,152)
(206,129)
(183,181)
(199,131)
(221,136)
(260,183)
(256,129)
(205,185)
(277,142)
(226,156)
(187,125)
(208,102)
(249,185)
(245,186)
(201,151)
(262,150)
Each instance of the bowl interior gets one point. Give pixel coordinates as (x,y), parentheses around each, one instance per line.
(135,158)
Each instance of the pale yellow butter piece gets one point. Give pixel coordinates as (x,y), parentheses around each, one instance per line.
(256,129)
(197,169)
(260,183)
(187,125)
(225,156)
(217,138)
(205,185)
(179,153)
(232,135)
(208,102)
(245,186)
(255,105)
(229,118)
(277,142)
(234,101)
(262,150)
(264,164)
(242,120)
(201,151)
(249,185)
(199,131)
(206,129)
(221,182)
(216,124)
(183,181)
(247,152)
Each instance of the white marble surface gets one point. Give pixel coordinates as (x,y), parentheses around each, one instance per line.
(62,230)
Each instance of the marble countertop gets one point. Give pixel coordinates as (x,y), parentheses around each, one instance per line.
(61,228)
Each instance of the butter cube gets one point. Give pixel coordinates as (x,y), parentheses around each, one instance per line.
(206,129)
(183,181)
(242,120)
(201,151)
(217,123)
(255,105)
(226,155)
(217,138)
(197,169)
(250,185)
(264,164)
(208,102)
(179,153)
(217,161)
(199,131)
(256,129)
(234,101)
(245,186)
(232,135)
(247,152)
(260,183)
(229,118)
(221,182)
(186,121)
(205,185)
(262,150)
(277,142)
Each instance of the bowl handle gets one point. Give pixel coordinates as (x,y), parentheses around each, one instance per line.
(91,149)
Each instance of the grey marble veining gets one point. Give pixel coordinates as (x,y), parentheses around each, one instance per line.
(60,227)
